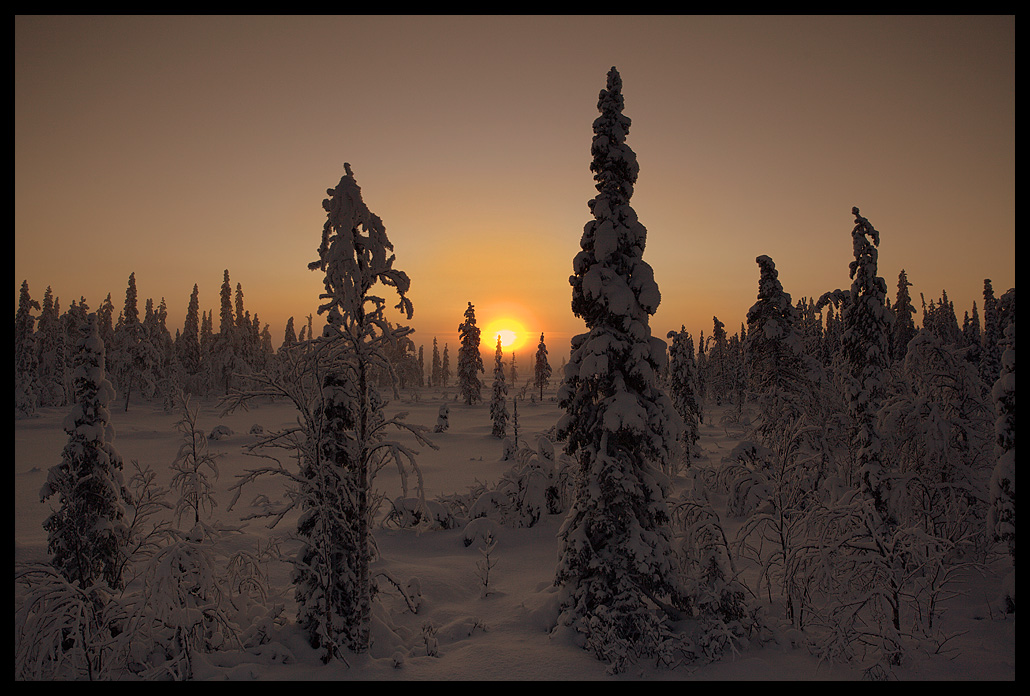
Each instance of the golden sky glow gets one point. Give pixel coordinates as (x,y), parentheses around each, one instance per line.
(176,147)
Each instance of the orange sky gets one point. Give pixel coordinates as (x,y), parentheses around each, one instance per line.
(176,147)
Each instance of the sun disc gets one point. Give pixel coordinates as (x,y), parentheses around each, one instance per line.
(513,336)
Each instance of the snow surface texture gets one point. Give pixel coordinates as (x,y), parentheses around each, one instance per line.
(473,635)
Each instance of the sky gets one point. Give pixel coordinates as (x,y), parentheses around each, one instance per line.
(176,147)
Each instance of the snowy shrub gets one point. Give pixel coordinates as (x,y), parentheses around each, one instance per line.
(442,419)
(406,512)
(63,631)
(725,614)
(521,496)
(220,432)
(507,450)
(479,529)
(185,600)
(775,535)
(744,477)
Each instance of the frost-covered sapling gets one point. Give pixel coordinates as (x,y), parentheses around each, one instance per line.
(485,564)
(442,419)
(186,594)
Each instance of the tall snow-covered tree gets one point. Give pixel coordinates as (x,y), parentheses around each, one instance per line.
(445,367)
(904,326)
(541,369)
(87,533)
(470,362)
(1002,492)
(615,570)
(436,372)
(26,357)
(513,376)
(499,400)
(865,344)
(51,353)
(131,351)
(719,377)
(684,389)
(993,331)
(333,579)
(774,354)
(289,336)
(189,341)
(225,356)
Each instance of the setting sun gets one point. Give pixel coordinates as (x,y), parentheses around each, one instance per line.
(512,333)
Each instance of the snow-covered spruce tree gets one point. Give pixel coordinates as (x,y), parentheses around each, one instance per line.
(338,441)
(719,378)
(1001,520)
(865,588)
(436,373)
(865,344)
(993,331)
(498,401)
(51,360)
(289,336)
(684,390)
(225,358)
(775,355)
(615,570)
(26,357)
(470,362)
(541,369)
(445,367)
(904,326)
(514,374)
(86,533)
(188,346)
(334,584)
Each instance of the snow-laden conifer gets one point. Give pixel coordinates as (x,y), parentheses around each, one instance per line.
(1002,492)
(993,332)
(541,368)
(339,440)
(189,341)
(470,362)
(865,343)
(87,533)
(225,355)
(51,358)
(615,569)
(684,389)
(719,378)
(499,398)
(904,326)
(775,355)
(436,371)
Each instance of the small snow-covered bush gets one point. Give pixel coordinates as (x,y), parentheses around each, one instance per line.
(408,512)
(63,631)
(220,432)
(480,529)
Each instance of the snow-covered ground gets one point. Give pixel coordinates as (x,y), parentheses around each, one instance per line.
(502,635)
